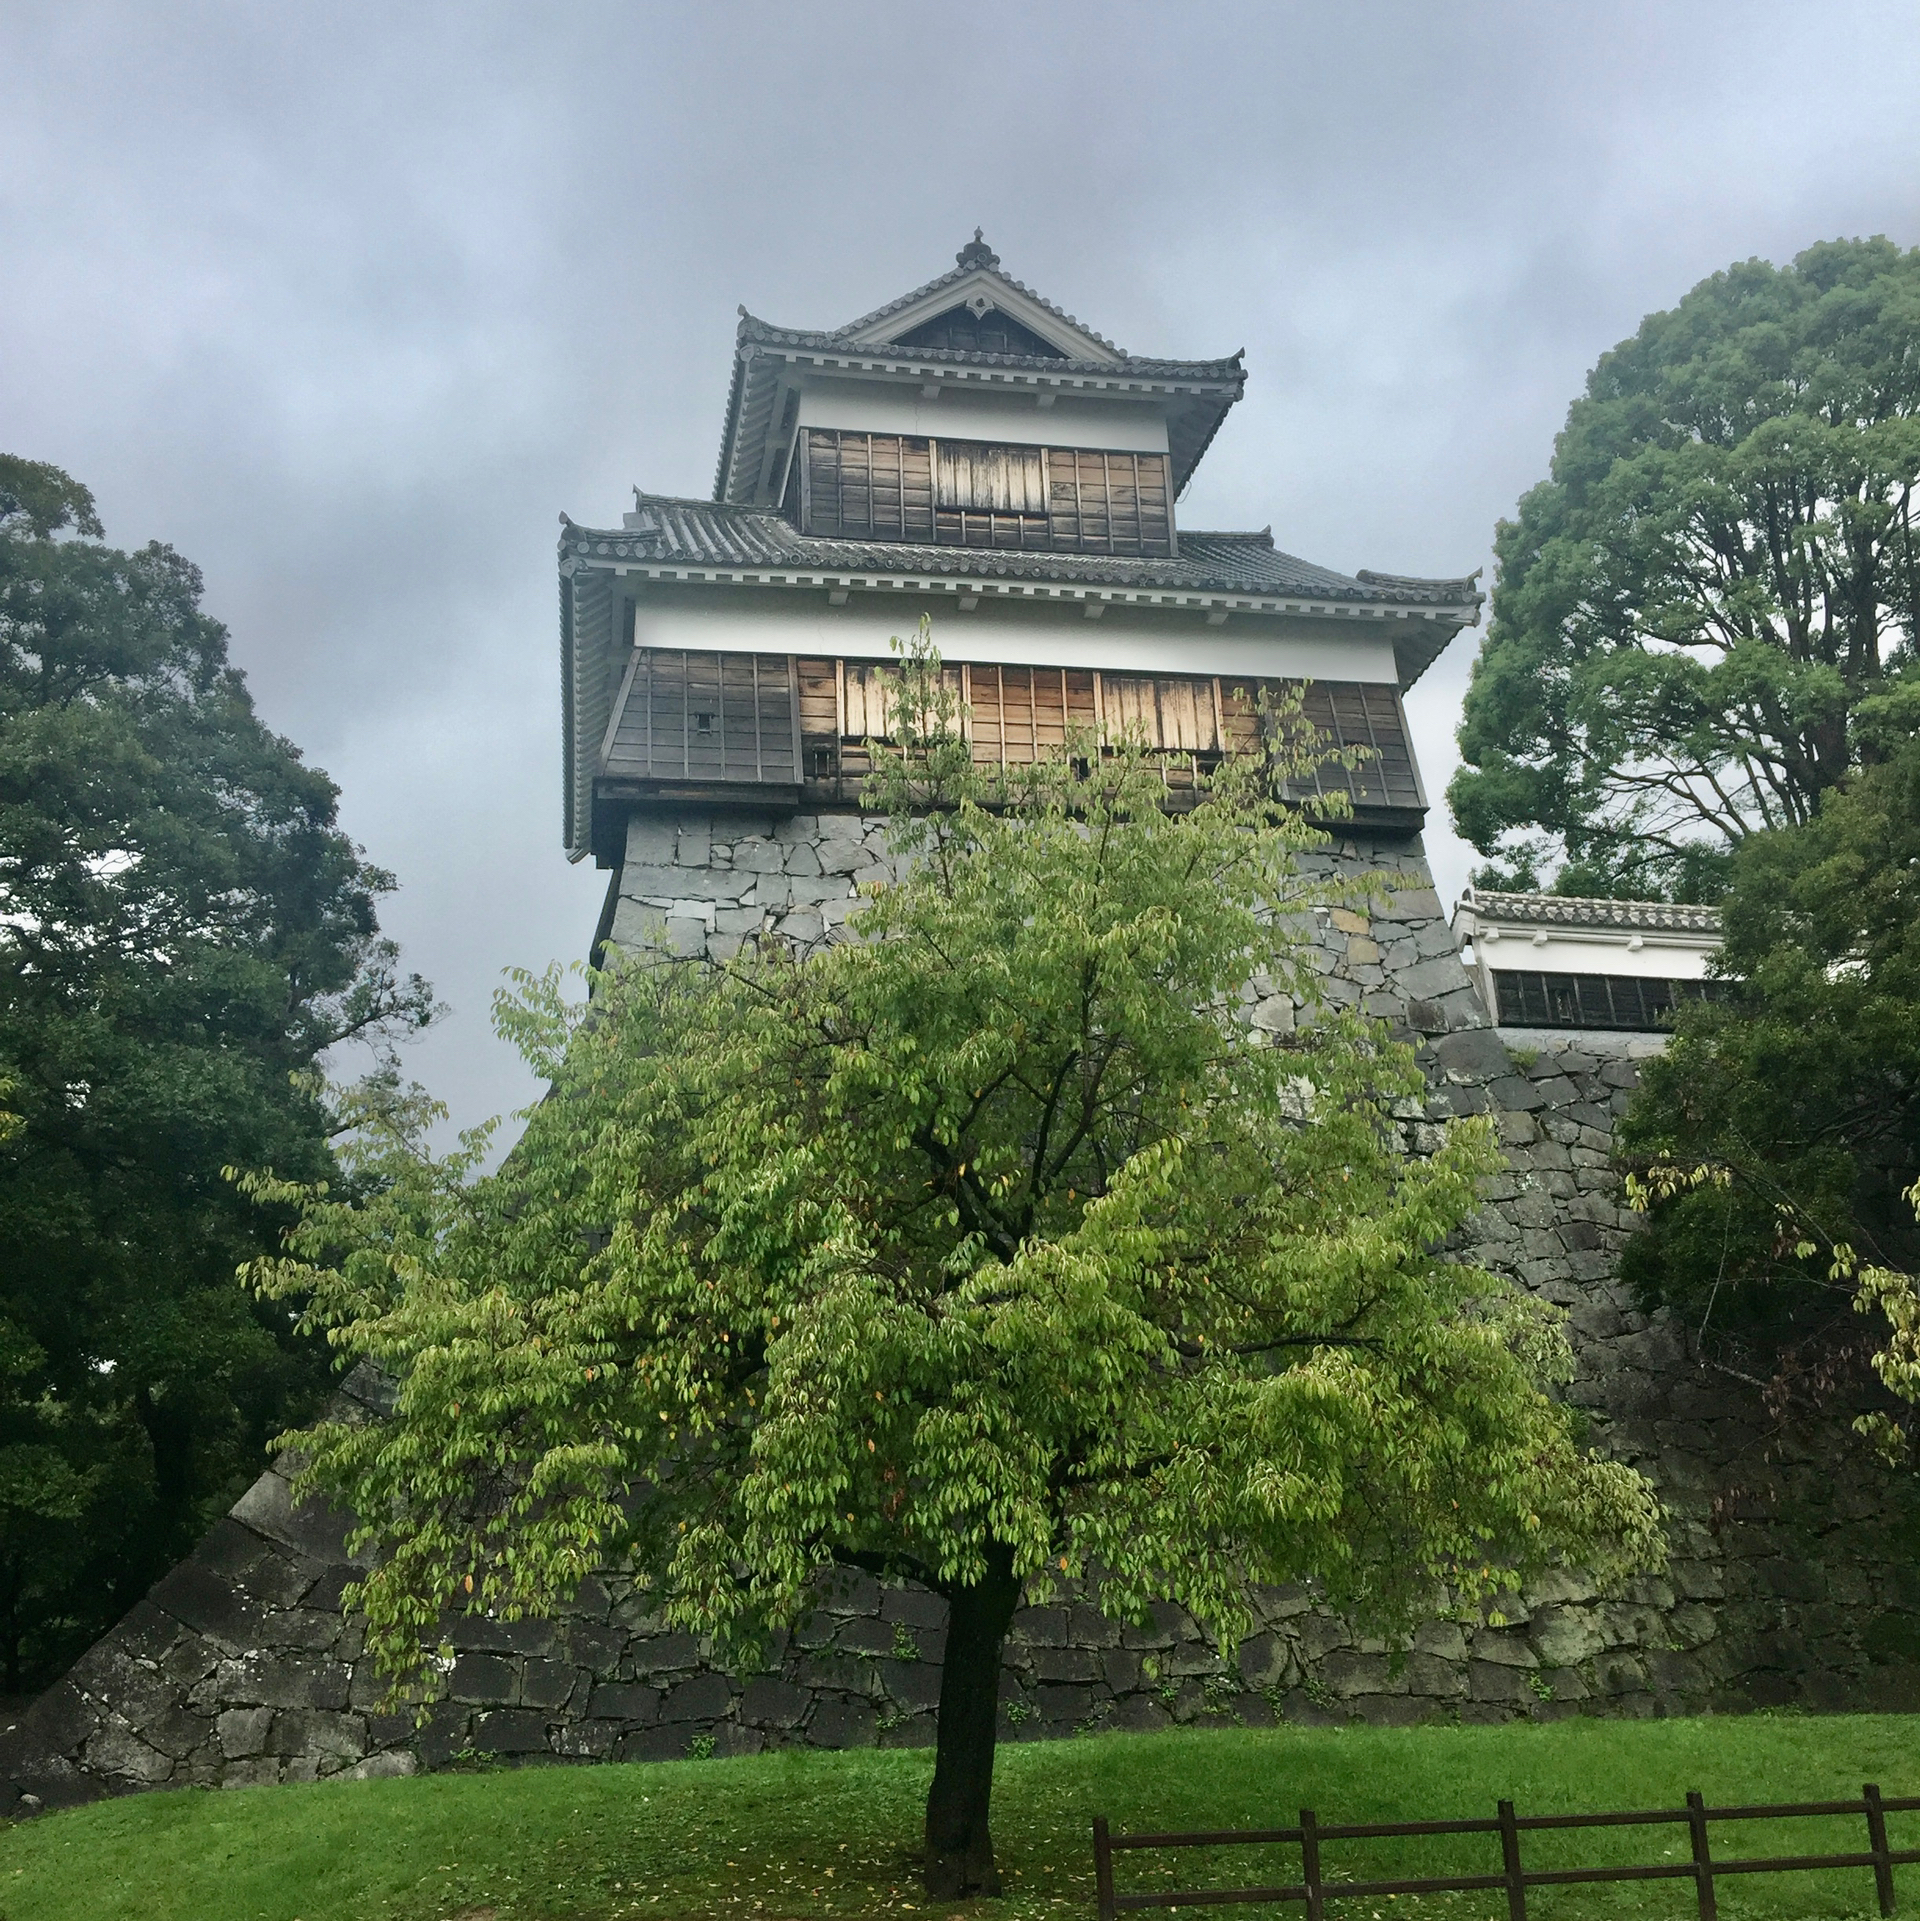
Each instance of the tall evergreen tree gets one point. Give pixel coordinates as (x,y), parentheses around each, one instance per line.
(184,931)
(1722,566)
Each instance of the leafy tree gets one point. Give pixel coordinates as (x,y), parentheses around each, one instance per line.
(1720,569)
(183,931)
(990,1250)
(1774,1137)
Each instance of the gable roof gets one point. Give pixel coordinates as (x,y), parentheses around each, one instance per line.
(768,361)
(977,276)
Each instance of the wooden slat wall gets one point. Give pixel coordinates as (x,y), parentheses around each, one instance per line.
(1017,714)
(1364,714)
(963,493)
(707,716)
(1022,714)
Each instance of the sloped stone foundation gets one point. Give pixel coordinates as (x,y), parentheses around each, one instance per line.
(1794,1582)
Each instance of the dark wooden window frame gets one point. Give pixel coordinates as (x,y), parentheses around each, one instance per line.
(1616,1003)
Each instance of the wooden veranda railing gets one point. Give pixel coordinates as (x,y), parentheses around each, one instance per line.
(1702,1868)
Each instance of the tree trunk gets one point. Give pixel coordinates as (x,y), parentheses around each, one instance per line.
(959,1842)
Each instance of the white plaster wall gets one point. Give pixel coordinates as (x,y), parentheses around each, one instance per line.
(877,407)
(783,622)
(1681,957)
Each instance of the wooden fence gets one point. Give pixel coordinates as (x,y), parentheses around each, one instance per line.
(1702,1869)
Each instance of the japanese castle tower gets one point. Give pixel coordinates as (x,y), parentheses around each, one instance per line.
(971,452)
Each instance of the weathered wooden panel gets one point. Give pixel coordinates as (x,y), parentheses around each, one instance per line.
(1168,711)
(965,493)
(999,480)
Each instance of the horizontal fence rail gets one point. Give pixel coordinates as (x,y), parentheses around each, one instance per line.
(1702,1868)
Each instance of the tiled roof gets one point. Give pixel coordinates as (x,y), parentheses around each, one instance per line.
(713,533)
(1568,910)
(765,333)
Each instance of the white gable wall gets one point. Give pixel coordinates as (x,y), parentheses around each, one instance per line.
(776,621)
(881,407)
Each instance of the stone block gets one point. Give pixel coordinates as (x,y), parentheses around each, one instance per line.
(1474,1053)
(704,1698)
(913,1684)
(584,1740)
(664,1743)
(1087,1627)
(330,1741)
(312,1528)
(1140,1714)
(663,1653)
(849,1592)
(482,1679)
(119,1754)
(548,1684)
(759,857)
(1063,1702)
(445,1734)
(1515,1093)
(1066,1664)
(837,1723)
(242,1732)
(1040,1627)
(511,1731)
(1489,1681)
(1435,1677)
(1349,1673)
(1446,1639)
(651,840)
(1262,1660)
(865,1636)
(916,1606)
(623,1701)
(261,1678)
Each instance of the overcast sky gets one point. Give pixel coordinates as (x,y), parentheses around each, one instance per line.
(349,302)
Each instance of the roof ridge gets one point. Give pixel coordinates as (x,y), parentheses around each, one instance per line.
(1591,910)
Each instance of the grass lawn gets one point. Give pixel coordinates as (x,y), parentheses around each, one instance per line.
(812,1834)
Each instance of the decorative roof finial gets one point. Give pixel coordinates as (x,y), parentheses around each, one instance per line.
(976,253)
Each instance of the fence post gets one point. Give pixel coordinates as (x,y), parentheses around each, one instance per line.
(1877,1840)
(1103,1867)
(1310,1864)
(1702,1857)
(1510,1860)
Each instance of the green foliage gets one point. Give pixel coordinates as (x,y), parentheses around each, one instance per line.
(183,928)
(1790,1113)
(684,1838)
(991,1233)
(1720,572)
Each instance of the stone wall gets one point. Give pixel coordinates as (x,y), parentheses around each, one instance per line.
(1793,1580)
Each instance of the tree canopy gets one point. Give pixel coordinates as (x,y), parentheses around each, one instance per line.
(1719,571)
(184,930)
(988,1249)
(1792,1107)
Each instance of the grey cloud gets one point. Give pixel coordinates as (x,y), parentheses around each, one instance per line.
(349,303)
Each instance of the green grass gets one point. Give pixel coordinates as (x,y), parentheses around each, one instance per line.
(807,1834)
